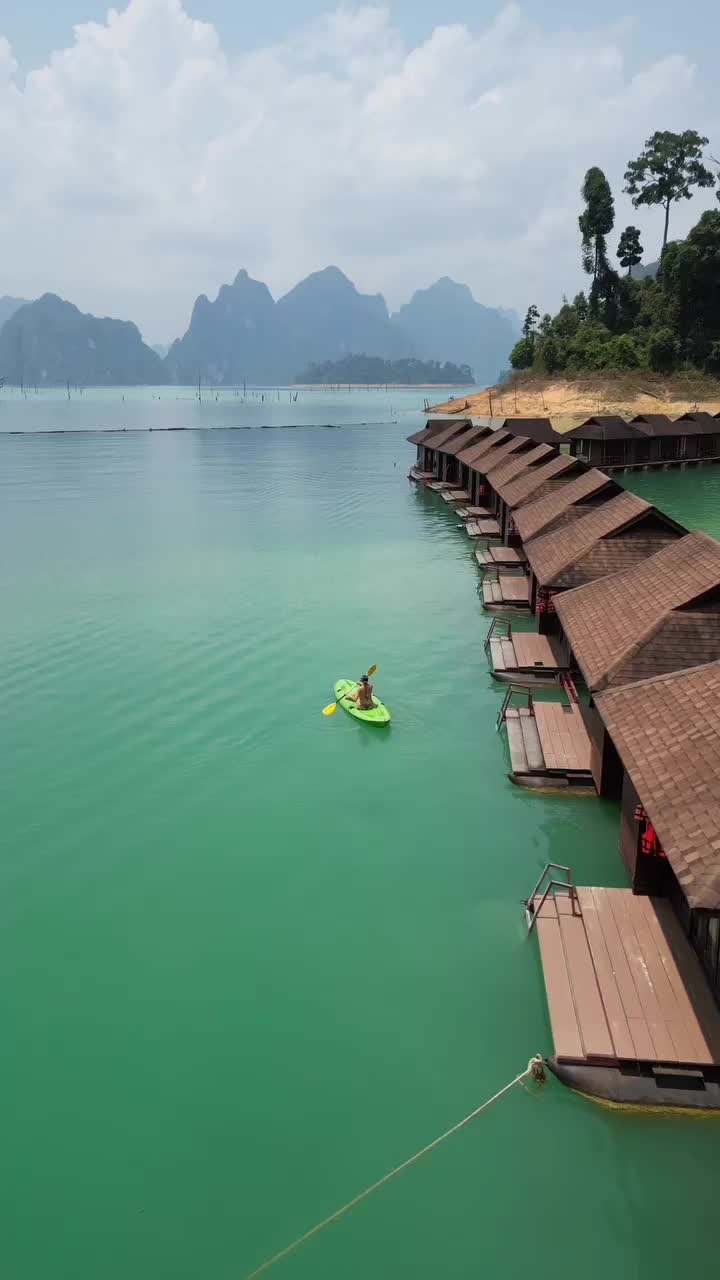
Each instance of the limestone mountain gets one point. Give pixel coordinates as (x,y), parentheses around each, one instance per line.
(50,342)
(8,307)
(232,338)
(325,317)
(244,334)
(444,322)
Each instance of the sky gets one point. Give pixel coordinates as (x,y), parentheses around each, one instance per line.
(150,151)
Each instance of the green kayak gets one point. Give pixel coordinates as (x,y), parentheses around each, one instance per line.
(379,713)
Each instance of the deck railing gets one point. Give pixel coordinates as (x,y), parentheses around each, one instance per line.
(496,627)
(515,690)
(551,887)
(568,686)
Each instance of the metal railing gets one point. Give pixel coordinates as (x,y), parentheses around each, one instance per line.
(552,886)
(515,690)
(495,626)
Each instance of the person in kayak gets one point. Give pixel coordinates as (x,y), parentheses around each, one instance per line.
(362,697)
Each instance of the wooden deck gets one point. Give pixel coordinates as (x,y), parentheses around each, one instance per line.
(494,557)
(455,495)
(510,591)
(563,736)
(482,529)
(474,513)
(420,476)
(549,745)
(623,983)
(439,486)
(524,655)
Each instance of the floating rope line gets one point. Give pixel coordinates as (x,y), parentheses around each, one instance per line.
(535,1068)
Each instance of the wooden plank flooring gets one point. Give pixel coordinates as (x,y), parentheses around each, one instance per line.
(496,556)
(482,529)
(564,738)
(524,744)
(623,982)
(532,650)
(514,588)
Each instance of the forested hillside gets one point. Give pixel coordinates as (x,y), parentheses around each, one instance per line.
(666,323)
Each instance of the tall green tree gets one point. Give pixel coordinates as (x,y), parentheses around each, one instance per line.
(691,284)
(666,170)
(530,322)
(596,222)
(630,250)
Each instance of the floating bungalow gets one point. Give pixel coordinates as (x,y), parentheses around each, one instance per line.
(666,731)
(647,440)
(507,469)
(436,432)
(448,466)
(630,974)
(658,617)
(573,498)
(615,536)
(545,476)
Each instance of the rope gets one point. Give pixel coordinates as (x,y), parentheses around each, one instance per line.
(534,1068)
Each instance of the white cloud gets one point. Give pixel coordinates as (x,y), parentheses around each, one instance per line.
(142,165)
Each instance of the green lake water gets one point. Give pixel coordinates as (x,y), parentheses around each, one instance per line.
(253,957)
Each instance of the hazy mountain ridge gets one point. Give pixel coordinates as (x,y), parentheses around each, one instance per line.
(8,307)
(245,335)
(50,341)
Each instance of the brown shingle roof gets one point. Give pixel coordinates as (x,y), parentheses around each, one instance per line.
(468,456)
(549,554)
(610,427)
(497,451)
(432,427)
(615,554)
(667,731)
(617,626)
(508,468)
(658,424)
(451,431)
(533,517)
(540,430)
(515,492)
(473,436)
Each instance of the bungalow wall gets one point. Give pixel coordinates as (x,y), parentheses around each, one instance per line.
(651,873)
(648,450)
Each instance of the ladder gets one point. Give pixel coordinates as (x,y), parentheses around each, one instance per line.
(548,886)
(496,629)
(515,690)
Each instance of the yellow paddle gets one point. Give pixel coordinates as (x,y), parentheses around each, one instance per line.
(332,707)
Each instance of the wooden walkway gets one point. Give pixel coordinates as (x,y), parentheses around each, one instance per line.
(512,590)
(482,529)
(525,654)
(623,982)
(493,557)
(420,476)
